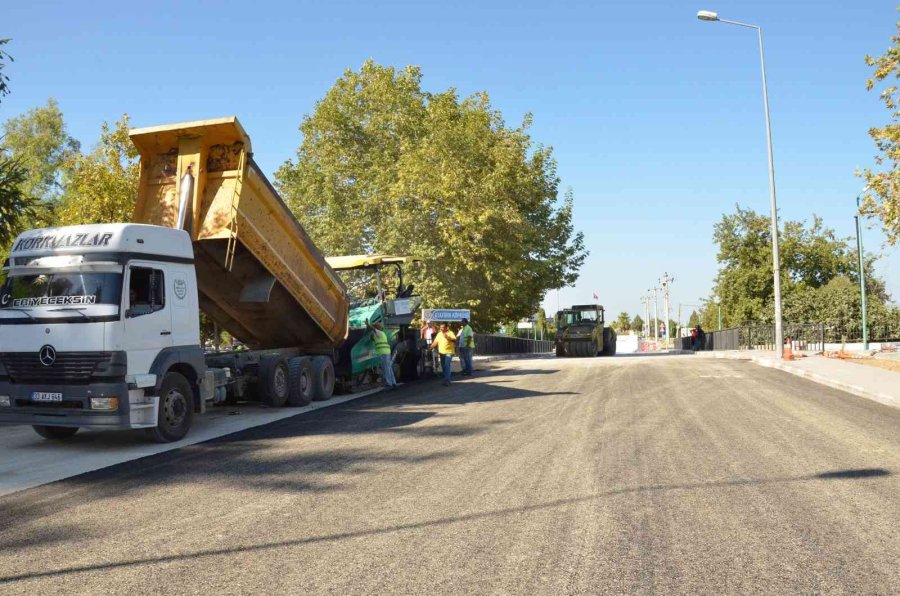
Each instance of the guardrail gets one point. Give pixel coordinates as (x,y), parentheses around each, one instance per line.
(803,336)
(486,344)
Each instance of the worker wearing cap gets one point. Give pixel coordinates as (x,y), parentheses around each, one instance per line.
(383,351)
(466,339)
(445,342)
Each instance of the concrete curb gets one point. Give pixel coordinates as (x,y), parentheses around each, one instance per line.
(856,390)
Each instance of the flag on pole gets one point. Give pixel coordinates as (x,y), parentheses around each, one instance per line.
(596,297)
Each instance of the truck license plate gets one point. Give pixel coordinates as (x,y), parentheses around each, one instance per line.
(41,396)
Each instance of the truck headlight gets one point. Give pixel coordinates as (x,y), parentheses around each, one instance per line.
(104,403)
(5,402)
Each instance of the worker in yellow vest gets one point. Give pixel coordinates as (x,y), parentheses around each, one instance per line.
(383,351)
(466,339)
(445,342)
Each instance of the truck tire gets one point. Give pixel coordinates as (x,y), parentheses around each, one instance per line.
(176,409)
(322,378)
(274,381)
(55,432)
(300,386)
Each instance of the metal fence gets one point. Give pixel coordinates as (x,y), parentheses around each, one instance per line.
(879,332)
(803,336)
(486,344)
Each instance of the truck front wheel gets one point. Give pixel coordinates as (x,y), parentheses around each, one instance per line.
(55,432)
(176,409)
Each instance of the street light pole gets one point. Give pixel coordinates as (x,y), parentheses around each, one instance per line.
(705,15)
(862,279)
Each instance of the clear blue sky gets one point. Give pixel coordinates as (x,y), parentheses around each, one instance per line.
(656,118)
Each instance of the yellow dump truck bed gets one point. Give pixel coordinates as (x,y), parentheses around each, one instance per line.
(260,277)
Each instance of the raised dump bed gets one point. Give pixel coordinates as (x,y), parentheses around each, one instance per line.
(259,275)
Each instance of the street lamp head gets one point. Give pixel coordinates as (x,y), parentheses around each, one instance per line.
(708,15)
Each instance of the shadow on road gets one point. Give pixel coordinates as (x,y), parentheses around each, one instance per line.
(245,459)
(854,474)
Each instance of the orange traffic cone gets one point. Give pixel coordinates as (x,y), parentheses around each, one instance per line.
(788,352)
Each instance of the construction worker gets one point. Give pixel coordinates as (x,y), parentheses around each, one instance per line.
(466,338)
(383,351)
(445,342)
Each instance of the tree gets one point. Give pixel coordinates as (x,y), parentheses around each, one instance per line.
(811,256)
(4,78)
(637,324)
(15,205)
(102,186)
(622,324)
(38,138)
(694,319)
(544,326)
(387,167)
(882,198)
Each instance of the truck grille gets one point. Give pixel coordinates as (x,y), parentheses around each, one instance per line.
(73,368)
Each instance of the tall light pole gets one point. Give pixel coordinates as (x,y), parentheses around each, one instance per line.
(862,279)
(706,15)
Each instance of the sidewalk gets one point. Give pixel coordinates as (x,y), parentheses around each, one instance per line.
(859,379)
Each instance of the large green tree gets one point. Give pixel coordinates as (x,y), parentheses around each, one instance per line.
(101,186)
(385,166)
(38,139)
(812,258)
(882,198)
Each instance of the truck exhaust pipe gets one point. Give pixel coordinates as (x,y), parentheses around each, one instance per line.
(187,192)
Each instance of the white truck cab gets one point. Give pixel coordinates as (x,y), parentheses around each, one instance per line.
(99,328)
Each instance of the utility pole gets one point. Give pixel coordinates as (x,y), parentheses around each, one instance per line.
(862,280)
(665,281)
(656,315)
(646,301)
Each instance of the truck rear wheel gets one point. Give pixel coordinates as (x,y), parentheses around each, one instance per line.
(300,390)
(176,409)
(322,378)
(274,381)
(55,432)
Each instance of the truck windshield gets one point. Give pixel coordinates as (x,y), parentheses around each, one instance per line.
(577,316)
(60,289)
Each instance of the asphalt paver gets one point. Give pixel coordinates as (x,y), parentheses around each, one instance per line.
(557,476)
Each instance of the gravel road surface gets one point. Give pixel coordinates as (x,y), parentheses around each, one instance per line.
(666,474)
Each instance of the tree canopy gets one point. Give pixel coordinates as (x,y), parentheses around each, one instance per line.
(15,206)
(819,273)
(4,78)
(882,198)
(637,324)
(101,186)
(385,166)
(38,139)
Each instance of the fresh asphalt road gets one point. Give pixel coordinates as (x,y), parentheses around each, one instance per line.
(627,475)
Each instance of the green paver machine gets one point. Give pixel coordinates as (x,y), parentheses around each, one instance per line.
(373,297)
(580,331)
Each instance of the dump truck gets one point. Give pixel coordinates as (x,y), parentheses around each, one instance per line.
(580,331)
(99,324)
